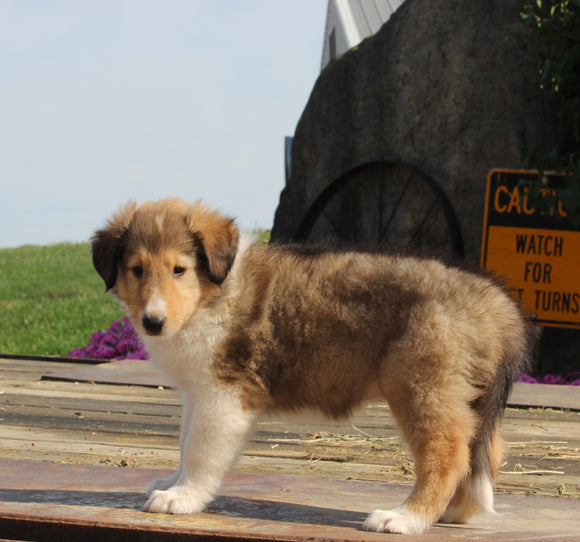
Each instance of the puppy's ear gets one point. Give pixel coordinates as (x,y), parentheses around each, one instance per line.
(216,238)
(107,244)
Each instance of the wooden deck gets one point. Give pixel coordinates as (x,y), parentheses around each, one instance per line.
(126,430)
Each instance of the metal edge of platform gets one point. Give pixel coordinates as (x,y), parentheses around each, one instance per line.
(43,501)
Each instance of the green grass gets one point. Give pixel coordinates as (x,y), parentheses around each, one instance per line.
(51,299)
(262,236)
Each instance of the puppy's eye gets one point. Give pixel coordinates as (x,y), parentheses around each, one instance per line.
(178,271)
(137,271)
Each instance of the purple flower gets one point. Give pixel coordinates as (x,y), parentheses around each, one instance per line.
(570,379)
(120,341)
(522,377)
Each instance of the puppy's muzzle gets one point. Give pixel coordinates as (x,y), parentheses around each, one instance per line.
(153,324)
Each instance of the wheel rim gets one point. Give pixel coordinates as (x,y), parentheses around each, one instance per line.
(384,204)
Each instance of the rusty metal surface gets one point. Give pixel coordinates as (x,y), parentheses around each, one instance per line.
(45,501)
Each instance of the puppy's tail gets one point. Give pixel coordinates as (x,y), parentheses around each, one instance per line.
(475,492)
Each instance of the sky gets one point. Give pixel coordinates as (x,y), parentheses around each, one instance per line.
(106,101)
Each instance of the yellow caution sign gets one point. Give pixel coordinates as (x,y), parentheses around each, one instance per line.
(536,252)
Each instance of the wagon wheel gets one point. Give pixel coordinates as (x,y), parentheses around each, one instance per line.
(384,204)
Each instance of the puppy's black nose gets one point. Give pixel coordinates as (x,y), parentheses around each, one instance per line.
(153,324)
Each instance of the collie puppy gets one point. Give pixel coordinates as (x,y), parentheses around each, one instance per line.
(243,330)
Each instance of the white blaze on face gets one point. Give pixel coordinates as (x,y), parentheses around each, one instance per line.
(156,307)
(159,221)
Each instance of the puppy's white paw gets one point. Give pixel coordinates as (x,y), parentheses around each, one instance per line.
(176,501)
(162,483)
(398,520)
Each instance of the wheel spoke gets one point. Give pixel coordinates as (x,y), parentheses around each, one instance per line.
(395,209)
(353,232)
(422,223)
(324,214)
(380,202)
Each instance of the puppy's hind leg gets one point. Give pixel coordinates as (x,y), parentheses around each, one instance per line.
(475,493)
(438,426)
(218,427)
(440,462)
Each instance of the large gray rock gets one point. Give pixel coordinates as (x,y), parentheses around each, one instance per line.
(450,88)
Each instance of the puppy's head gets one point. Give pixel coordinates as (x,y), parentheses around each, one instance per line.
(163,259)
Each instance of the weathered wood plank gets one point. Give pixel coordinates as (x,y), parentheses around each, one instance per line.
(146,374)
(541,395)
(71,405)
(80,391)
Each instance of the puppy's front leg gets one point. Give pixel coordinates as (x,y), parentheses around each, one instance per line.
(186,414)
(217,429)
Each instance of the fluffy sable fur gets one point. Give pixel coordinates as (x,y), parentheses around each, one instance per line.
(243,330)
